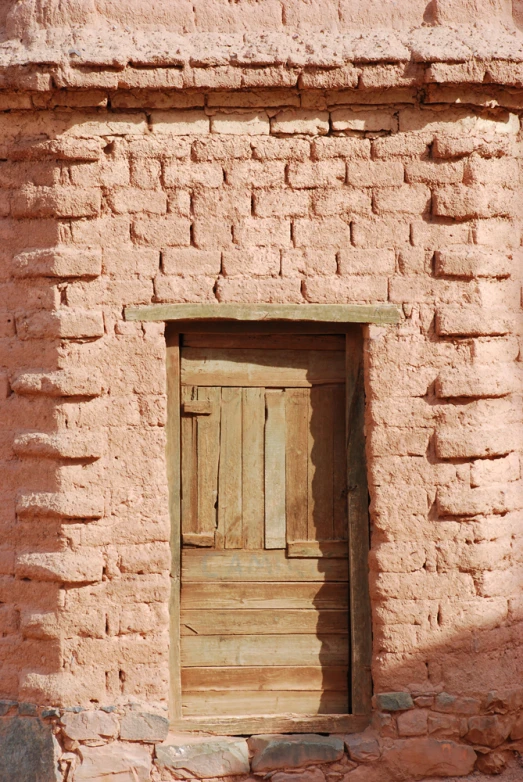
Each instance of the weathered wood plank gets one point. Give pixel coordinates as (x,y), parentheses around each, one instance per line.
(208,434)
(172,455)
(283,723)
(205,565)
(265,341)
(331,549)
(197,407)
(265,678)
(297,416)
(261,368)
(217,650)
(275,522)
(339,477)
(274,594)
(230,470)
(320,499)
(200,539)
(189,466)
(253,430)
(264,702)
(326,313)
(358,531)
(260,622)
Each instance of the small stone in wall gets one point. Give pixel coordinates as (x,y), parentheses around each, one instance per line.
(493,762)
(203,758)
(418,758)
(121,762)
(142,726)
(273,752)
(412,723)
(311,775)
(363,747)
(488,731)
(89,725)
(394,701)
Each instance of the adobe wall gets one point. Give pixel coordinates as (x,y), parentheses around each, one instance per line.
(403,187)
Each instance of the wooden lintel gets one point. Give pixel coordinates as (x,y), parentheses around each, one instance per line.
(323,313)
(285,723)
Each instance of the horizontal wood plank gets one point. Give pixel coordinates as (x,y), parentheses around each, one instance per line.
(265,341)
(198,539)
(331,549)
(261,368)
(272,595)
(281,723)
(265,678)
(219,650)
(247,703)
(326,313)
(238,565)
(262,622)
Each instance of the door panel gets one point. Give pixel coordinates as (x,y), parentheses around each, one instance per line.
(264,567)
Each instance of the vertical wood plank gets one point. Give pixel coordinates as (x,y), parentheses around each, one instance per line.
(360,684)
(320,503)
(230,473)
(208,429)
(297,438)
(253,431)
(173,477)
(189,466)
(275,533)
(339,465)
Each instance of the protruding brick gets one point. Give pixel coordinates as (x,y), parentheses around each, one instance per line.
(325,173)
(477,381)
(433,173)
(465,501)
(469,320)
(165,231)
(66,445)
(406,199)
(460,443)
(469,201)
(333,146)
(61,324)
(74,382)
(190,260)
(311,123)
(59,262)
(31,201)
(180,123)
(469,261)
(254,123)
(79,504)
(379,174)
(72,567)
(484,472)
(356,261)
(364,120)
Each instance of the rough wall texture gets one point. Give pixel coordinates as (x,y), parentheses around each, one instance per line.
(384,191)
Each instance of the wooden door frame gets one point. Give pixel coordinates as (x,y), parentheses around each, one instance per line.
(296,319)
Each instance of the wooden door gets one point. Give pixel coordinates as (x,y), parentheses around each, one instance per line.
(264,555)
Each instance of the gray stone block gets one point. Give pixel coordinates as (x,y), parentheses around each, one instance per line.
(26,751)
(274,752)
(27,709)
(5,706)
(394,701)
(204,758)
(142,726)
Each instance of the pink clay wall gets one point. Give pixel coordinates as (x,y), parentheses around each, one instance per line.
(272,196)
